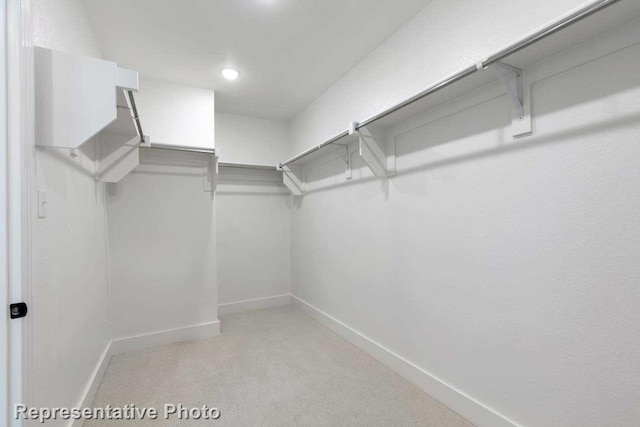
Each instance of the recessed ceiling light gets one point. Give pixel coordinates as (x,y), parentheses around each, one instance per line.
(230,73)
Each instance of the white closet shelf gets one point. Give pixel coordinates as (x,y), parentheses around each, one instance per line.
(78,98)
(508,65)
(246,166)
(204,158)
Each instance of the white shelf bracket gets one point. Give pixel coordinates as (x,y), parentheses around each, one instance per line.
(345,155)
(115,159)
(210,183)
(292,182)
(371,150)
(512,79)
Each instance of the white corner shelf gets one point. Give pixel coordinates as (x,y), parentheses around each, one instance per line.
(181,156)
(119,142)
(78,98)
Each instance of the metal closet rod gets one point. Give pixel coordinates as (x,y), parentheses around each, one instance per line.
(543,33)
(182,148)
(134,114)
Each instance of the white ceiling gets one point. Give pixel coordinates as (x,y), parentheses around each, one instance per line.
(287,51)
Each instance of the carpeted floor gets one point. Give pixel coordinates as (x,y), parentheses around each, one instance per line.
(273,367)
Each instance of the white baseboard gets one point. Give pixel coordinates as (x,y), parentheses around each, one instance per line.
(464,405)
(139,342)
(254,304)
(170,336)
(92,387)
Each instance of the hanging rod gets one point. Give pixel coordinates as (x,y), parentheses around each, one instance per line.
(182,148)
(246,166)
(134,114)
(541,34)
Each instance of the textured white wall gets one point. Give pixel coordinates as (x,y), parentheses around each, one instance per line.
(69,302)
(245,139)
(253,225)
(253,212)
(177,114)
(165,280)
(69,314)
(64,25)
(508,269)
(442,39)
(162,246)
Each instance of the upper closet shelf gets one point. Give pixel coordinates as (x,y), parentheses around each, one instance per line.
(78,98)
(246,166)
(507,65)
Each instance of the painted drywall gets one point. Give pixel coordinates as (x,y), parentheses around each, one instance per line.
(162,246)
(68,307)
(253,236)
(176,114)
(244,139)
(64,25)
(507,269)
(75,313)
(446,36)
(253,215)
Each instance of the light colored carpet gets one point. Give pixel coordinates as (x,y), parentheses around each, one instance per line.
(273,367)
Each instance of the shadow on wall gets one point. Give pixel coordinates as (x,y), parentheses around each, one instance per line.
(242,176)
(81,159)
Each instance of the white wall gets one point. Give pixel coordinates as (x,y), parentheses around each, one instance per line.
(253,215)
(64,25)
(507,269)
(5,391)
(243,139)
(253,241)
(68,313)
(442,39)
(176,114)
(162,246)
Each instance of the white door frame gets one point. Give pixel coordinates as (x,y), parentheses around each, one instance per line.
(17,161)
(4,221)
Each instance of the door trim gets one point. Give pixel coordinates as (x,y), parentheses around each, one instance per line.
(20,152)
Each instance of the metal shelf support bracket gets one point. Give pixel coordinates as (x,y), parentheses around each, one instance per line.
(371,149)
(512,79)
(210,173)
(292,182)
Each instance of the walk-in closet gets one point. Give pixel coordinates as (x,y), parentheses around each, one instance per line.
(342,213)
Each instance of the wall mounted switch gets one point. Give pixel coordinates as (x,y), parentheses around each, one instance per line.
(42,204)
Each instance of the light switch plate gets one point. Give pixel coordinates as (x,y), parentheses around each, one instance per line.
(42,204)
